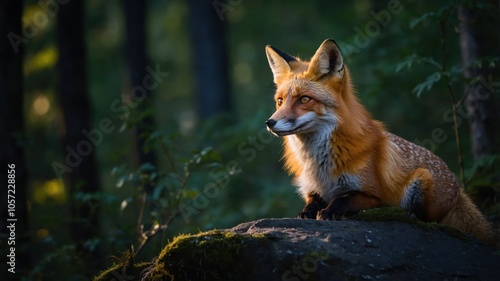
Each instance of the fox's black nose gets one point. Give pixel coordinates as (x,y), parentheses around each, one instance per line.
(270,123)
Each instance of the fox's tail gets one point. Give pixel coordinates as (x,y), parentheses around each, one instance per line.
(465,216)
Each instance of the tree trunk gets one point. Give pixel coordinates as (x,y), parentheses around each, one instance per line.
(140,92)
(75,103)
(479,92)
(207,33)
(12,132)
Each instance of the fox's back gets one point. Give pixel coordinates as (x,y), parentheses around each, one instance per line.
(415,157)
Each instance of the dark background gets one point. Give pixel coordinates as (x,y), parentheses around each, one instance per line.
(129,119)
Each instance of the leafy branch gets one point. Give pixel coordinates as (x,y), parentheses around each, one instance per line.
(170,187)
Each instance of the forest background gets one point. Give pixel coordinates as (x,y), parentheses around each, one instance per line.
(129,122)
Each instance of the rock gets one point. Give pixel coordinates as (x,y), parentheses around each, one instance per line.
(295,249)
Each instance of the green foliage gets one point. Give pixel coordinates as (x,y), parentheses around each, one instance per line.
(170,187)
(427,84)
(416,59)
(480,177)
(486,62)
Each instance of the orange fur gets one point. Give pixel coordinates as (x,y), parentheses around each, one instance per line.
(341,157)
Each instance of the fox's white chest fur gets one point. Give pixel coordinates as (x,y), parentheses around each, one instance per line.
(315,154)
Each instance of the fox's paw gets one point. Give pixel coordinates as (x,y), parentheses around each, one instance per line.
(324,215)
(307,215)
(328,214)
(311,209)
(335,210)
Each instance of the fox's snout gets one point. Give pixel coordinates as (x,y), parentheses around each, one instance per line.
(270,123)
(272,126)
(279,126)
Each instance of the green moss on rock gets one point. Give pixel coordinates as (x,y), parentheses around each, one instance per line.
(212,255)
(383,214)
(216,256)
(399,214)
(122,272)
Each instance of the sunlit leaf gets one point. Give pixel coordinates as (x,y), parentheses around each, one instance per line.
(156,225)
(123,205)
(120,182)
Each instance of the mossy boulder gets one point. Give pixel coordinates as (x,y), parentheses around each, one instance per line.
(218,255)
(361,248)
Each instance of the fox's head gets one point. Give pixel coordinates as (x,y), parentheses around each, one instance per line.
(308,93)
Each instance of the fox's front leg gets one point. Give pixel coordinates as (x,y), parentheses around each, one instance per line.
(348,204)
(314,203)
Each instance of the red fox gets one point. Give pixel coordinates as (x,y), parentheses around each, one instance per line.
(343,161)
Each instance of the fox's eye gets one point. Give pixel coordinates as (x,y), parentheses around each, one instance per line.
(304,99)
(279,101)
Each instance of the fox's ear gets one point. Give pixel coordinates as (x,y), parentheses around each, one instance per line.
(327,60)
(279,63)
